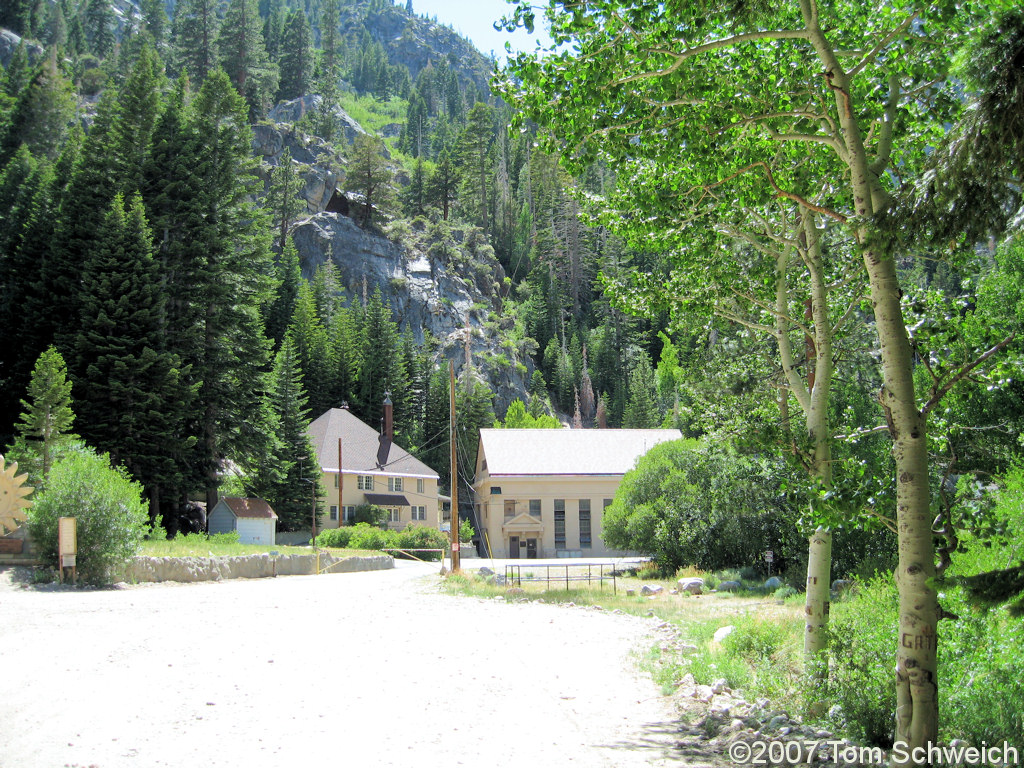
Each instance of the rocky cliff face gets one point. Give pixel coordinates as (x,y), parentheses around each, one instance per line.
(414,42)
(437,279)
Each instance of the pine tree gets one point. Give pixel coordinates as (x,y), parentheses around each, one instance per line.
(414,197)
(296,57)
(475,146)
(346,355)
(92,186)
(194,38)
(443,184)
(244,58)
(131,134)
(155,21)
(214,245)
(129,400)
(369,175)
(27,198)
(327,290)
(311,348)
(47,416)
(273,29)
(19,72)
(641,410)
(282,198)
(295,484)
(329,73)
(98,24)
(288,277)
(383,368)
(56,26)
(41,114)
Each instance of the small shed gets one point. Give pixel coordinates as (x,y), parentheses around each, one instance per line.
(254,520)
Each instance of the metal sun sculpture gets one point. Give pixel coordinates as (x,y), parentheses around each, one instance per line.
(12,496)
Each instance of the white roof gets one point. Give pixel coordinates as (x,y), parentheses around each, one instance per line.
(568,451)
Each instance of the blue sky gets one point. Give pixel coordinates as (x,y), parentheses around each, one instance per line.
(475,19)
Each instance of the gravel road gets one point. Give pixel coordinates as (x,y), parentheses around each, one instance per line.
(363,669)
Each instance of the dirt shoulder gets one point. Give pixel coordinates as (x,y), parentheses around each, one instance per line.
(376,668)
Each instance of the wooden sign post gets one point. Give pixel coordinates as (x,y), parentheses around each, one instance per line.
(67,547)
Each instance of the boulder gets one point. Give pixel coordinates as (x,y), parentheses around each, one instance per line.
(9,42)
(841,585)
(293,110)
(729,586)
(692,586)
(773,583)
(485,571)
(723,632)
(651,589)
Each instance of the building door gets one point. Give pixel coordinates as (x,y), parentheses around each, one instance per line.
(531,549)
(513,547)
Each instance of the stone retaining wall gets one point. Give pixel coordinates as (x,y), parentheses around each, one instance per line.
(188,569)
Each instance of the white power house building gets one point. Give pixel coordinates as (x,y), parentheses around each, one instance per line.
(254,520)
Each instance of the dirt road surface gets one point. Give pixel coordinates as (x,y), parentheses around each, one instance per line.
(362,669)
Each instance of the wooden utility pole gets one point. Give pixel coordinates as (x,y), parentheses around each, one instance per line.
(341,483)
(454,470)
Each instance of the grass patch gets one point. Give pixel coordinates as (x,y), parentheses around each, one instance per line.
(373,114)
(199,545)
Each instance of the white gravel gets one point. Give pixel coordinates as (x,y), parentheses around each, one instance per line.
(365,669)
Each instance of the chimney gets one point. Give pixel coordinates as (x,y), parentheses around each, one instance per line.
(389,418)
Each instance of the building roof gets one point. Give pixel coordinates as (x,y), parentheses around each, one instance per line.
(567,451)
(387,499)
(256,508)
(363,449)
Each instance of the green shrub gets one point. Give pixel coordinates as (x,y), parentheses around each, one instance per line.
(228,538)
(466,531)
(421,537)
(981,688)
(366,536)
(756,639)
(862,654)
(337,538)
(369,513)
(703,505)
(107,503)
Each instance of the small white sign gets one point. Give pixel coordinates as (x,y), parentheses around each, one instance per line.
(769,556)
(446,527)
(455,546)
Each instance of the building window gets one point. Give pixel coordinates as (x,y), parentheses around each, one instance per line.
(420,485)
(419,513)
(510,509)
(395,484)
(495,490)
(334,511)
(607,503)
(585,541)
(349,513)
(535,508)
(394,515)
(336,479)
(365,482)
(559,523)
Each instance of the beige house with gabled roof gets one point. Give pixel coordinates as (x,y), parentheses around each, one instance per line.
(542,493)
(363,466)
